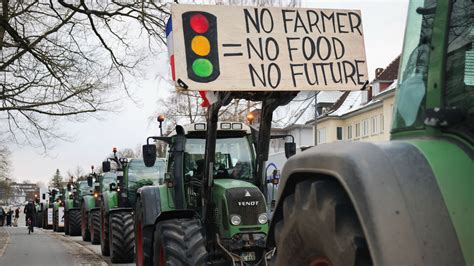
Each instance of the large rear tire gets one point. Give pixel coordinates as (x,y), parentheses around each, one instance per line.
(121,237)
(104,232)
(179,242)
(95,226)
(320,227)
(86,235)
(143,238)
(66,222)
(55,221)
(74,222)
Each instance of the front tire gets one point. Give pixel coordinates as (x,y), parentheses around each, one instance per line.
(74,222)
(121,237)
(86,235)
(320,227)
(179,242)
(104,232)
(95,226)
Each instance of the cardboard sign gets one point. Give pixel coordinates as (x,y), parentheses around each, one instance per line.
(50,216)
(61,217)
(231,48)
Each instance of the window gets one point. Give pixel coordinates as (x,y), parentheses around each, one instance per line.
(357,130)
(321,135)
(349,132)
(365,128)
(339,133)
(381,124)
(374,125)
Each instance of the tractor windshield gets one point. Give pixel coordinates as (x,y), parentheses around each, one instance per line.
(458,87)
(139,175)
(234,158)
(84,188)
(413,73)
(107,179)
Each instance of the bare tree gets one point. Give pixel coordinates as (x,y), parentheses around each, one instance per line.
(5,164)
(62,58)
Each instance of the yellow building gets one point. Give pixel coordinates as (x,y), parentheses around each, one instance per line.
(361,115)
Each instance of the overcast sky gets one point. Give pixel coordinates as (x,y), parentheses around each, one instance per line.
(92,140)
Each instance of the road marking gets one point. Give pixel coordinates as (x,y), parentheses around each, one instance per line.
(2,250)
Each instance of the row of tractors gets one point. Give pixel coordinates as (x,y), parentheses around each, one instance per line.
(100,209)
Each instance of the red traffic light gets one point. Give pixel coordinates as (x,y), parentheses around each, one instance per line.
(199,23)
(114,150)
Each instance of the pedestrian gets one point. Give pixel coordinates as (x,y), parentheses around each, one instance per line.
(30,212)
(9,217)
(17,215)
(2,215)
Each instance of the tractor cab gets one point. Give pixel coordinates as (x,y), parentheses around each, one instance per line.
(238,221)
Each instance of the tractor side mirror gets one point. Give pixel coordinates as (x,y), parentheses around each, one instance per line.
(290,149)
(44,196)
(149,154)
(106,166)
(89,180)
(112,186)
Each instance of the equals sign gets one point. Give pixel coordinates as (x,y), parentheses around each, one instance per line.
(232,45)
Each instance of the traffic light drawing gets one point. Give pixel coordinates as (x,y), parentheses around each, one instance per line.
(200,37)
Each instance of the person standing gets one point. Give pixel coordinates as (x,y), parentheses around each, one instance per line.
(2,216)
(17,215)
(9,217)
(30,212)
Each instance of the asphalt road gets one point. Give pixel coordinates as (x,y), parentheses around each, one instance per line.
(43,247)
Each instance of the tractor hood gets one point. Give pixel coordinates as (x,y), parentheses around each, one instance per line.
(238,198)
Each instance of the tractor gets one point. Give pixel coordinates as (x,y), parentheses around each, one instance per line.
(58,210)
(47,213)
(407,201)
(117,206)
(75,193)
(101,183)
(216,214)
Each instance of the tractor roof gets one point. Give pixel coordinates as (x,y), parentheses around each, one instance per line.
(221,126)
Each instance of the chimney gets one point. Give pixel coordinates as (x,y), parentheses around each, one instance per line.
(378,71)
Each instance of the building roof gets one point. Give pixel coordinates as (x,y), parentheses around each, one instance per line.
(390,72)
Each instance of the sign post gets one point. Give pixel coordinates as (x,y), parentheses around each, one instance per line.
(266,49)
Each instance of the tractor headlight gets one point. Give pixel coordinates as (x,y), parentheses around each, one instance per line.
(262,218)
(235,219)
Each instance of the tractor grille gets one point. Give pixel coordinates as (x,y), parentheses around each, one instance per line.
(246,202)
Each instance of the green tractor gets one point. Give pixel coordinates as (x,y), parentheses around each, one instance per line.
(47,212)
(58,211)
(408,201)
(92,202)
(117,206)
(75,192)
(216,214)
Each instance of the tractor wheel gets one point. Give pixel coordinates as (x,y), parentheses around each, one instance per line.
(86,235)
(121,237)
(55,221)
(66,222)
(320,228)
(104,232)
(179,242)
(74,223)
(94,226)
(143,238)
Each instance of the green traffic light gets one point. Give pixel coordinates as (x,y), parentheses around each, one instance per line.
(202,67)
